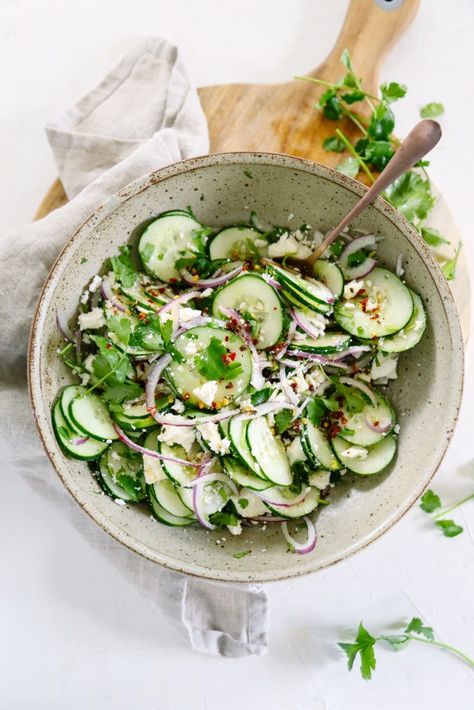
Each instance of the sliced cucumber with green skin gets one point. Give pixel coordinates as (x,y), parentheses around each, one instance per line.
(326,344)
(163,515)
(268,452)
(371,425)
(90,415)
(300,301)
(65,436)
(237,434)
(243,476)
(330,275)
(67,395)
(378,457)
(121,473)
(317,448)
(236,243)
(167,496)
(411,333)
(394,307)
(308,291)
(185,377)
(164,241)
(178,473)
(138,296)
(307,505)
(133,424)
(251,294)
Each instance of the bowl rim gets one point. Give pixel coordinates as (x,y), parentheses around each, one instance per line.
(141,184)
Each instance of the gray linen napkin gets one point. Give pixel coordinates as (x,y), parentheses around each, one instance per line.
(142,116)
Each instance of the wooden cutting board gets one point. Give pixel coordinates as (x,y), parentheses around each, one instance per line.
(281,117)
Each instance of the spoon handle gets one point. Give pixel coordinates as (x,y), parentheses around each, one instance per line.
(421,139)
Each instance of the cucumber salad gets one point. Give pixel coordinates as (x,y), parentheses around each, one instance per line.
(222,387)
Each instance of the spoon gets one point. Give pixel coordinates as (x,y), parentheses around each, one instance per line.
(421,139)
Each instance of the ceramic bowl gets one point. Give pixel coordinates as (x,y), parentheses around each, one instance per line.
(223,189)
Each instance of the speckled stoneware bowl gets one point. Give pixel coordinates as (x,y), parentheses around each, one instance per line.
(223,189)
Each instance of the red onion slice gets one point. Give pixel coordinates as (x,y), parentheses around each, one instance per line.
(184,298)
(379,427)
(79,441)
(171,420)
(258,380)
(108,295)
(204,479)
(152,381)
(318,358)
(297,500)
(305,547)
(357,384)
(273,283)
(63,327)
(358,272)
(355,272)
(302,322)
(149,452)
(213,282)
(355,350)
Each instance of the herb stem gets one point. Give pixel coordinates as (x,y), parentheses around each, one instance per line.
(453,507)
(317,81)
(353,152)
(353,117)
(447,647)
(65,349)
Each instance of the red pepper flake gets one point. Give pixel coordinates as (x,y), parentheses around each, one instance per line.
(173,280)
(108,346)
(232,356)
(229,386)
(186,395)
(141,316)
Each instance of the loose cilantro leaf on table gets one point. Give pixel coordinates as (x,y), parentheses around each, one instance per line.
(349,166)
(430,501)
(432,110)
(364,645)
(411,195)
(449,268)
(217,362)
(334,144)
(433,237)
(123,267)
(449,528)
(393,91)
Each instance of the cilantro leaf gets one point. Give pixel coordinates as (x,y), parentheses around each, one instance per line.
(337,247)
(121,327)
(411,195)
(364,646)
(381,123)
(349,166)
(122,391)
(346,59)
(432,110)
(216,362)
(260,396)
(430,501)
(315,410)
(449,268)
(123,267)
(416,626)
(393,91)
(222,518)
(433,237)
(353,97)
(300,471)
(283,419)
(331,105)
(109,365)
(376,152)
(354,400)
(356,257)
(333,144)
(243,502)
(239,555)
(449,528)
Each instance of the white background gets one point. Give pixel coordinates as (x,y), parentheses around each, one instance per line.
(73,634)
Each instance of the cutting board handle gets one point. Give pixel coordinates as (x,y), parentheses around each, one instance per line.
(370,29)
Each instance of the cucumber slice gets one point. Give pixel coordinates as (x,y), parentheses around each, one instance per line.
(67,395)
(379,456)
(167,496)
(411,334)
(357,427)
(237,243)
(121,473)
(326,344)
(304,289)
(394,307)
(307,505)
(253,295)
(65,436)
(243,476)
(133,424)
(185,377)
(237,433)
(137,296)
(178,473)
(90,415)
(330,275)
(317,448)
(268,452)
(152,467)
(164,241)
(300,301)
(163,515)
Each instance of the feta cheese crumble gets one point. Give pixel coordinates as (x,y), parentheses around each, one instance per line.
(92,320)
(287,245)
(355,452)
(206,392)
(181,435)
(210,432)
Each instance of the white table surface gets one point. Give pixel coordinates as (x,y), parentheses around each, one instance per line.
(73,634)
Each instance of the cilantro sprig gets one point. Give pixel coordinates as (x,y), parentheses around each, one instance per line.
(364,645)
(216,362)
(375,143)
(430,502)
